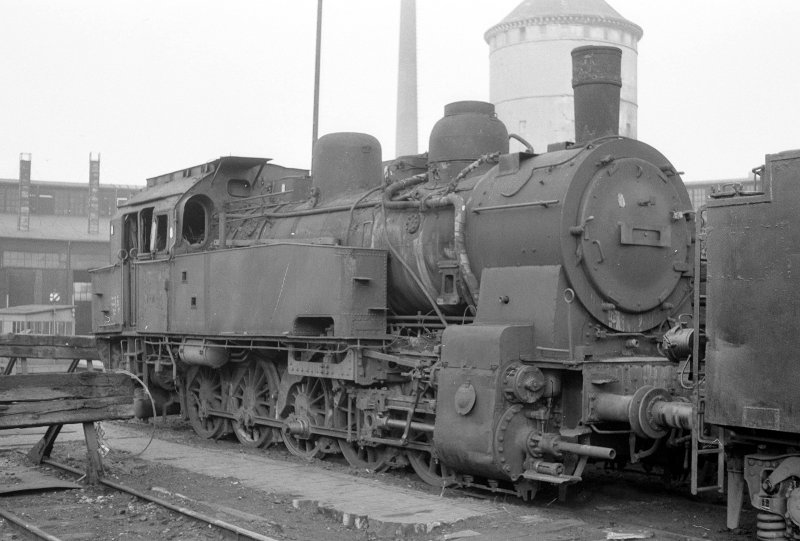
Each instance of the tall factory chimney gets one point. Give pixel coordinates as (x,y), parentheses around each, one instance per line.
(406,140)
(94,194)
(24,216)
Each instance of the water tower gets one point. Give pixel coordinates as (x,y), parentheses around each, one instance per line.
(530,65)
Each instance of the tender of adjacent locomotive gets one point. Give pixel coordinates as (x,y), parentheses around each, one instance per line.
(752,245)
(492,318)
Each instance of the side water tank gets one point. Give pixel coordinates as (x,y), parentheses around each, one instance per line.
(345,163)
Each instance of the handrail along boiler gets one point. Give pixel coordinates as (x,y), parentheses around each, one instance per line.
(493,318)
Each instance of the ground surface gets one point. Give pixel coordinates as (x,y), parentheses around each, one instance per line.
(608,504)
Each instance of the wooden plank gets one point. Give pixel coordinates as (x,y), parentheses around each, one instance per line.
(54,386)
(94,468)
(45,445)
(40,346)
(47,399)
(68,416)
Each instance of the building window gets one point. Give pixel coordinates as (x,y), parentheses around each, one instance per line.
(34,260)
(9,199)
(81,291)
(108,205)
(45,204)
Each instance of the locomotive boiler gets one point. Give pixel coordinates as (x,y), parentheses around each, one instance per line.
(494,319)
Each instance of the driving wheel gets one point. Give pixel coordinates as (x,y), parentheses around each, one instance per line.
(308,405)
(204,393)
(253,394)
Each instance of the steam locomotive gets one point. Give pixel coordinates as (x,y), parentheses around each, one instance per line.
(493,319)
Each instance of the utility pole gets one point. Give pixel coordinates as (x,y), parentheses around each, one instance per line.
(315,129)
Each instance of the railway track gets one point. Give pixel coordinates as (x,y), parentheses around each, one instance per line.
(119,513)
(223,490)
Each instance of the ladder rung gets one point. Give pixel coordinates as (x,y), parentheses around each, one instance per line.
(709,488)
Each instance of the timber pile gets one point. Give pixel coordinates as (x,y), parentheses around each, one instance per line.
(59,398)
(48,346)
(21,347)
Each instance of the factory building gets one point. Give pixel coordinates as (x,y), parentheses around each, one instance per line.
(530,65)
(51,234)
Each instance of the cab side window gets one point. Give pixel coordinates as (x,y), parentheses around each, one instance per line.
(195,220)
(159,236)
(146,225)
(130,233)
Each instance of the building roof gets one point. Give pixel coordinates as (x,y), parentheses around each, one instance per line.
(531,12)
(73,185)
(31,309)
(46,227)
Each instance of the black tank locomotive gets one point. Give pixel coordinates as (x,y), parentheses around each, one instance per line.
(494,319)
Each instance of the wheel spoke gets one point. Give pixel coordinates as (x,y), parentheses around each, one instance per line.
(255,380)
(308,400)
(200,382)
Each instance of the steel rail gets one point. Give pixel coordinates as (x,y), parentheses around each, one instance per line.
(27,526)
(240,532)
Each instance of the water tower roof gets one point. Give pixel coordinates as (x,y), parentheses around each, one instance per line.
(588,12)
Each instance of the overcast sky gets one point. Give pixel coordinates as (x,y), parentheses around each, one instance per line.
(158,85)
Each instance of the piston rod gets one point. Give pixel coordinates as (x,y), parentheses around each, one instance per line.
(650,411)
(397,423)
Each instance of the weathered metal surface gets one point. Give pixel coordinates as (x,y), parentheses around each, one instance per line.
(753,252)
(596,84)
(477,357)
(280,289)
(346,163)
(107,299)
(620,230)
(152,308)
(468,130)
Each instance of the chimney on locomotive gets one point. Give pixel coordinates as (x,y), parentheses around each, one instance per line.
(596,84)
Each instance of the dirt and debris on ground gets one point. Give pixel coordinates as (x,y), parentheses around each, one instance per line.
(608,505)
